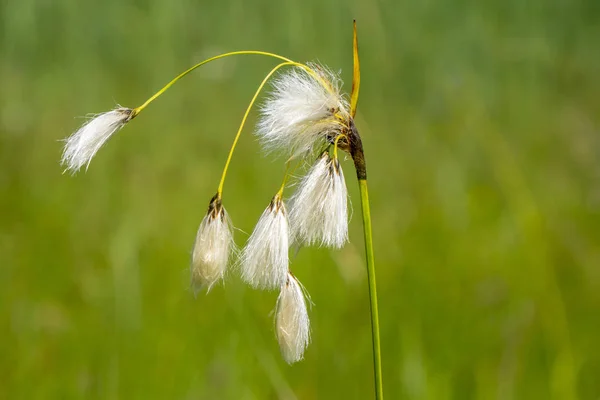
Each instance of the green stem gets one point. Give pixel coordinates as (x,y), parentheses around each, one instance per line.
(366,215)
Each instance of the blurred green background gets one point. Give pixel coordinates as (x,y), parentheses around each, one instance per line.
(480,122)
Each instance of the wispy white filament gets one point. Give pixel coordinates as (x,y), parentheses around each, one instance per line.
(264,260)
(291,321)
(214,242)
(82,145)
(319,207)
(300,113)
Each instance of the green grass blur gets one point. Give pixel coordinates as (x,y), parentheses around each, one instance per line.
(481,128)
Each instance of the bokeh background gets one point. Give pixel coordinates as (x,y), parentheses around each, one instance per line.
(481,127)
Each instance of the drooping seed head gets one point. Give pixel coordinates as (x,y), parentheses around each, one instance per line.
(302,111)
(264,260)
(319,207)
(213,245)
(292,324)
(82,145)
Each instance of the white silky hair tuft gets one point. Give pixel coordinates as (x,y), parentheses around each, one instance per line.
(212,247)
(292,324)
(83,145)
(300,113)
(319,207)
(264,261)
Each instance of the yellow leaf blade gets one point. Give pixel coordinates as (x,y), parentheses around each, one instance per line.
(356,75)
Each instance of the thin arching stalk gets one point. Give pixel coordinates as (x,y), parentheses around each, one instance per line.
(139,109)
(239,132)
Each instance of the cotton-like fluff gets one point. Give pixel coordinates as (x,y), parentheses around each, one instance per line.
(214,243)
(319,207)
(82,145)
(303,111)
(291,321)
(264,260)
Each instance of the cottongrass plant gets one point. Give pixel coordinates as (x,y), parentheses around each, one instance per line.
(306,118)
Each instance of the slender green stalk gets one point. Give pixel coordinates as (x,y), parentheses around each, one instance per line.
(366,216)
(355,148)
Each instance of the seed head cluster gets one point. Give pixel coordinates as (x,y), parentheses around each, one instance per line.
(306,118)
(304,115)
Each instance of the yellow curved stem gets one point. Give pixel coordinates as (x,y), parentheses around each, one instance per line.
(139,109)
(335,145)
(286,62)
(309,70)
(239,132)
(355,74)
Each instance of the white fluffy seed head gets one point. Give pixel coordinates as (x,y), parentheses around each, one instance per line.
(291,321)
(214,243)
(302,111)
(264,260)
(319,207)
(82,145)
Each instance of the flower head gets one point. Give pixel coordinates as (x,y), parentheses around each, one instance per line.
(264,260)
(291,321)
(214,242)
(303,111)
(319,207)
(82,145)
